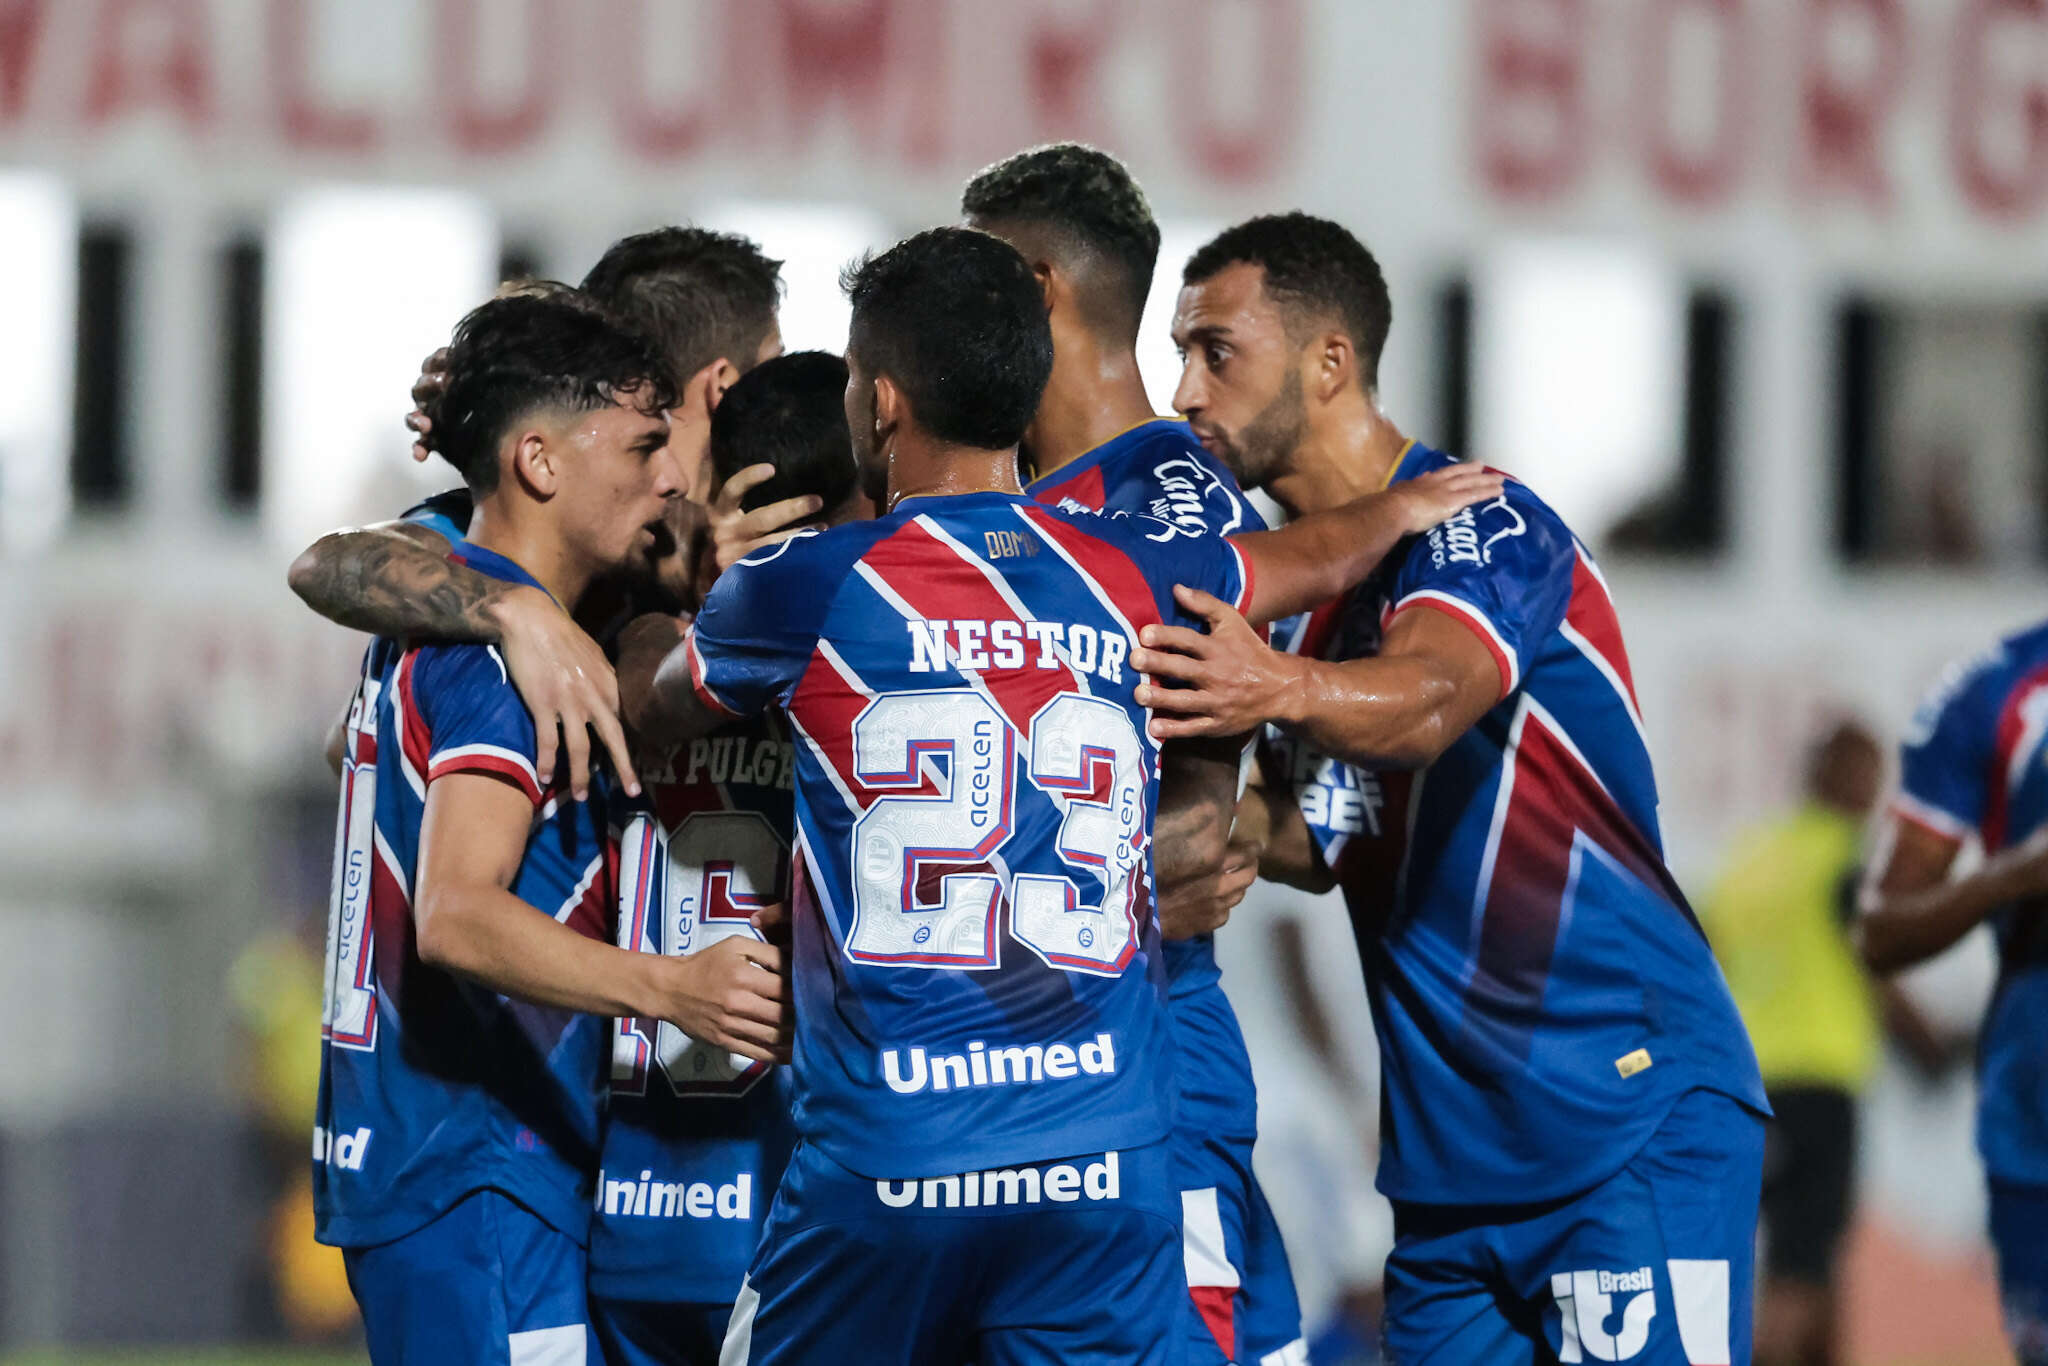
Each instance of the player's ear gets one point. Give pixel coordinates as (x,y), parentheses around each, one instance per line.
(1332,366)
(892,407)
(718,377)
(1047,278)
(536,463)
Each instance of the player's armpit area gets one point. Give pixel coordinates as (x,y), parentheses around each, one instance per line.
(658,684)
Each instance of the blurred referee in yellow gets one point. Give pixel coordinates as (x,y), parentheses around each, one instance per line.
(1779,920)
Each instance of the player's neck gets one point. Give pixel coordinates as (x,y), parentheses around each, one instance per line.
(920,467)
(535,546)
(1095,394)
(1345,459)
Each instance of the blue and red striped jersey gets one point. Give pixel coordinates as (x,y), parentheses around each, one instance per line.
(1540,987)
(1975,763)
(975,947)
(695,1138)
(433,1086)
(1158,469)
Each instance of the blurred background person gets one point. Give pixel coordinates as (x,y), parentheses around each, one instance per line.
(1779,916)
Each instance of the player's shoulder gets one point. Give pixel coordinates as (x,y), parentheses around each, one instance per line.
(1517,531)
(462,671)
(448,513)
(1182,481)
(1976,685)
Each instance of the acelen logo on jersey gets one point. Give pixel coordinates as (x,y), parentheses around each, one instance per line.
(980,1065)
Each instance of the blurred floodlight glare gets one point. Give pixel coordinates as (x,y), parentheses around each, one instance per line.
(1157,362)
(360,285)
(38,296)
(1579,360)
(813,242)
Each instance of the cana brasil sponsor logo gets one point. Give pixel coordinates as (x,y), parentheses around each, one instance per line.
(980,1065)
(345,1151)
(1469,535)
(1061,1183)
(648,1198)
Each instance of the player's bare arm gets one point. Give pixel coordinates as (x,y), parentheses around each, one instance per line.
(1911,911)
(1315,558)
(660,701)
(473,837)
(1270,825)
(395,579)
(1431,681)
(1199,883)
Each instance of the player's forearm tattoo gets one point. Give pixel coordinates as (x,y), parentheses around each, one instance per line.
(390,584)
(1188,838)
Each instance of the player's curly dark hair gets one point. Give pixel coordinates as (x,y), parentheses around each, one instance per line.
(789,412)
(956,319)
(1087,197)
(544,347)
(695,293)
(1315,269)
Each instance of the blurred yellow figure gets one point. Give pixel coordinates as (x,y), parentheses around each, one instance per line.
(1779,918)
(275,985)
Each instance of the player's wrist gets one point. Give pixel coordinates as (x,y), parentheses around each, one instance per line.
(1293,692)
(507,613)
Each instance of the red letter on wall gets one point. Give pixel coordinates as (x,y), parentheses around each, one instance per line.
(504,126)
(1266,135)
(1845,110)
(173,36)
(21,27)
(1063,59)
(308,123)
(1530,93)
(657,133)
(1704,173)
(2008,190)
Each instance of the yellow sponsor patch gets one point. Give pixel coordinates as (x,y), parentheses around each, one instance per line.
(1631,1063)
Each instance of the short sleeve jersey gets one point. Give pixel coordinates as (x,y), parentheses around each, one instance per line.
(1975,764)
(1541,989)
(976,957)
(433,1086)
(1158,469)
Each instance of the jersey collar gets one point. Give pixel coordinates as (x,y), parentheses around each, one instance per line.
(1409,463)
(497,566)
(1102,454)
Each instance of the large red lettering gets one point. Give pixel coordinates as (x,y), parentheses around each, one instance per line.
(1704,172)
(1844,109)
(1264,135)
(21,29)
(1063,62)
(1530,118)
(500,126)
(172,68)
(308,122)
(863,52)
(661,132)
(2015,187)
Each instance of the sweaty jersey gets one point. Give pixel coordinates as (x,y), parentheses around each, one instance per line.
(695,1137)
(975,946)
(1975,762)
(1158,469)
(431,1085)
(1541,990)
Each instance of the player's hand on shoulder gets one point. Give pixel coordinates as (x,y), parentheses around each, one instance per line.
(736,534)
(432,383)
(1428,499)
(568,686)
(643,645)
(1202,905)
(733,995)
(1222,681)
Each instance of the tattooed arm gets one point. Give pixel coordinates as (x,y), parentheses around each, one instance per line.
(396,579)
(1199,876)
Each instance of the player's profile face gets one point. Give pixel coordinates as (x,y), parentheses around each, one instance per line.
(618,483)
(1240,387)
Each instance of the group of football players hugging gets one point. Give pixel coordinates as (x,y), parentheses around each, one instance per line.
(788,801)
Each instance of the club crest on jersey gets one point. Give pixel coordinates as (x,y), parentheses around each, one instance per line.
(1468,535)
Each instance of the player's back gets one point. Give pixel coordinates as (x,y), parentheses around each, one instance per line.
(1542,991)
(976,955)
(1975,763)
(432,1086)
